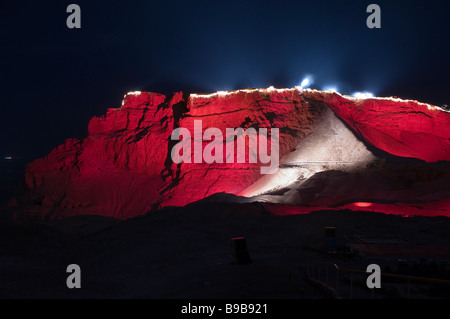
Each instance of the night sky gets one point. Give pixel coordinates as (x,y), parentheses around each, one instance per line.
(54,79)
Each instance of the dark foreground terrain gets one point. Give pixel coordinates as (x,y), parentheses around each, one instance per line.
(185,253)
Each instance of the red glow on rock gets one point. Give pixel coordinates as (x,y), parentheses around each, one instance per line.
(400,127)
(362,204)
(123,167)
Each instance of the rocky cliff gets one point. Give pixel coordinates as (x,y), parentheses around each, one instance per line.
(333,150)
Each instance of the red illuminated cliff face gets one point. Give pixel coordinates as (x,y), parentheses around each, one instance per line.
(123,168)
(402,128)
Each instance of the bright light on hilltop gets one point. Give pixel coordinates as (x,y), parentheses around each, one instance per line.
(333,89)
(130,93)
(134,93)
(226,93)
(362,95)
(306,82)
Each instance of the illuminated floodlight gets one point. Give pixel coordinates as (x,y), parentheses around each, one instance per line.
(362,95)
(134,93)
(306,82)
(333,89)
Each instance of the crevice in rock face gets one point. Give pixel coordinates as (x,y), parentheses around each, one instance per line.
(179,110)
(145,110)
(140,134)
(246,123)
(269,116)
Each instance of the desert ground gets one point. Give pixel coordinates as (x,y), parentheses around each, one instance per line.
(185,253)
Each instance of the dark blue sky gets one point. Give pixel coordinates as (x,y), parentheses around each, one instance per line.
(54,79)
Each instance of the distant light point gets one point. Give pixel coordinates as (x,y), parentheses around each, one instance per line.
(363,95)
(306,82)
(330,89)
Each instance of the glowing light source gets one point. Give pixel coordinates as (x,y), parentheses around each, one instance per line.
(363,95)
(130,93)
(225,93)
(306,82)
(8,158)
(362,204)
(134,93)
(397,99)
(330,89)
